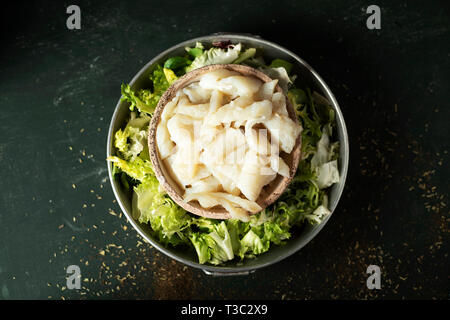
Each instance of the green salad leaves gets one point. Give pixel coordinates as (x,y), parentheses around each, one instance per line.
(219,241)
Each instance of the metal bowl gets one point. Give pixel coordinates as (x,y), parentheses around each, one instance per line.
(268,195)
(307,77)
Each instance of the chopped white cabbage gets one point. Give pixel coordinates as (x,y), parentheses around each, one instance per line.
(238,123)
(208,184)
(322,154)
(209,200)
(279,103)
(267,89)
(163,141)
(242,102)
(327,171)
(236,206)
(278,165)
(250,206)
(281,74)
(239,86)
(318,214)
(220,139)
(169,109)
(231,172)
(252,184)
(211,79)
(180,128)
(230,112)
(197,111)
(186,173)
(165,145)
(208,133)
(227,184)
(174,171)
(237,156)
(255,174)
(216,100)
(257,140)
(225,142)
(197,94)
(327,174)
(283,130)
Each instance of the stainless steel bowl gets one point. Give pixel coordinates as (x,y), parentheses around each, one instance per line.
(306,77)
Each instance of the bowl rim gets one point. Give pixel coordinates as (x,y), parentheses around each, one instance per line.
(228,270)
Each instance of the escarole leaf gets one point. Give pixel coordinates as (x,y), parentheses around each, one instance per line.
(247,54)
(132,140)
(221,248)
(216,246)
(142,99)
(145,100)
(136,168)
(166,218)
(325,168)
(200,243)
(252,245)
(215,56)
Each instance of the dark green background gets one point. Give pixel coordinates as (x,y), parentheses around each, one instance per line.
(58,92)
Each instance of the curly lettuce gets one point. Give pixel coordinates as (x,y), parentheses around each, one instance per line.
(145,100)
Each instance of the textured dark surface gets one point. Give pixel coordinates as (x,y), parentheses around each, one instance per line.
(58,91)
